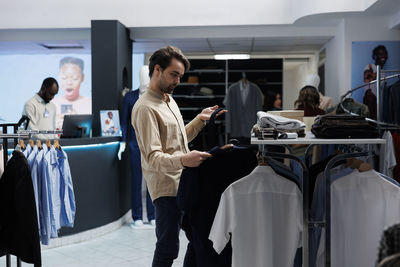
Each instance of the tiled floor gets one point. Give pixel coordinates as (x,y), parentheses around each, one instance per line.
(124,247)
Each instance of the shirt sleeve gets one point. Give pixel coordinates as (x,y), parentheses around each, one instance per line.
(30,111)
(222,224)
(145,123)
(194,127)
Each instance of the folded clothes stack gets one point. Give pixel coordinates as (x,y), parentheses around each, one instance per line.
(344,126)
(272,133)
(267,120)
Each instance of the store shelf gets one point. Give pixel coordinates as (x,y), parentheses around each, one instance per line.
(198,96)
(253,70)
(311,139)
(196,84)
(206,71)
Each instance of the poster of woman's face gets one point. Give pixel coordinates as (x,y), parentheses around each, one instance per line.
(364,60)
(22,75)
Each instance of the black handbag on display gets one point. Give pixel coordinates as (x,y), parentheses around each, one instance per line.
(344,126)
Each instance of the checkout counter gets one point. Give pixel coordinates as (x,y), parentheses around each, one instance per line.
(102,183)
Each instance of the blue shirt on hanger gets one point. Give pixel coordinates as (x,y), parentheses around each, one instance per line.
(43,204)
(66,191)
(51,176)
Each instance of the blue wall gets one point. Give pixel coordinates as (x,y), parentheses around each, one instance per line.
(362,55)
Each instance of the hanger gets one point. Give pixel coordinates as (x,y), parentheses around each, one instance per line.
(31,143)
(244,79)
(39,144)
(348,162)
(56,144)
(227,146)
(21,144)
(48,143)
(364,167)
(262,160)
(360,165)
(356,163)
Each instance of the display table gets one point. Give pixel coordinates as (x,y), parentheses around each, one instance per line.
(311,139)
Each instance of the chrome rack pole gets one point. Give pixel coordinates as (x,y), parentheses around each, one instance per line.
(378,93)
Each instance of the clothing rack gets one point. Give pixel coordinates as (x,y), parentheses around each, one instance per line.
(381,125)
(18,134)
(311,141)
(304,190)
(327,176)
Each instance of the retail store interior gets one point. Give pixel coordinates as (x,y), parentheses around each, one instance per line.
(274,45)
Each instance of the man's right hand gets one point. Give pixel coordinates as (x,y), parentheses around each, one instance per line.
(194,158)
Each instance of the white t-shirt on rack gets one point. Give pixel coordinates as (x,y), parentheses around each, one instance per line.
(363,205)
(263,213)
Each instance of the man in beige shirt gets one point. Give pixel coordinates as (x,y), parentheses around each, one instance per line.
(163,141)
(42,112)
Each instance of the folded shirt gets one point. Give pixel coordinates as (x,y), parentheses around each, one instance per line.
(268,120)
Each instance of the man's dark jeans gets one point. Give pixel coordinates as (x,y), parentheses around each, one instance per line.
(168,225)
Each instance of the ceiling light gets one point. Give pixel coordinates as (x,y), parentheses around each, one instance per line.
(68,45)
(231,56)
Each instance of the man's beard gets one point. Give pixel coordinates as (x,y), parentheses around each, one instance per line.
(167,89)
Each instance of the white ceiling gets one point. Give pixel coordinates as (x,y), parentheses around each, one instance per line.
(306,35)
(234,45)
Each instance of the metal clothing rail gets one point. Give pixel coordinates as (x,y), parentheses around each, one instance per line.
(363,85)
(39,132)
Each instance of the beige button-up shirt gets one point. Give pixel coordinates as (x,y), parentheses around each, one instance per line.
(163,139)
(42,117)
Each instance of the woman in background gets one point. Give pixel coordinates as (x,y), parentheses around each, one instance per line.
(272,101)
(308,101)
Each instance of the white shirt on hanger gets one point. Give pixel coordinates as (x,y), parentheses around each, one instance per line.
(263,212)
(363,205)
(387,158)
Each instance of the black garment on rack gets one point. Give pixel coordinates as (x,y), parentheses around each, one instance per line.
(199,192)
(344,126)
(394,107)
(315,170)
(370,100)
(284,171)
(19,234)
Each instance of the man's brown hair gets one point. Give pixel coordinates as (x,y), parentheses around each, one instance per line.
(164,56)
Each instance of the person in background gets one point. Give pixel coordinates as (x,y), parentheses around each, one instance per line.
(380,56)
(272,101)
(129,138)
(71,102)
(309,101)
(163,141)
(325,102)
(41,111)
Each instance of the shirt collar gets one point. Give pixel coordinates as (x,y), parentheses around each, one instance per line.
(39,99)
(164,97)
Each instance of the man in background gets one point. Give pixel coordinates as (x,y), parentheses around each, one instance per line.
(42,112)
